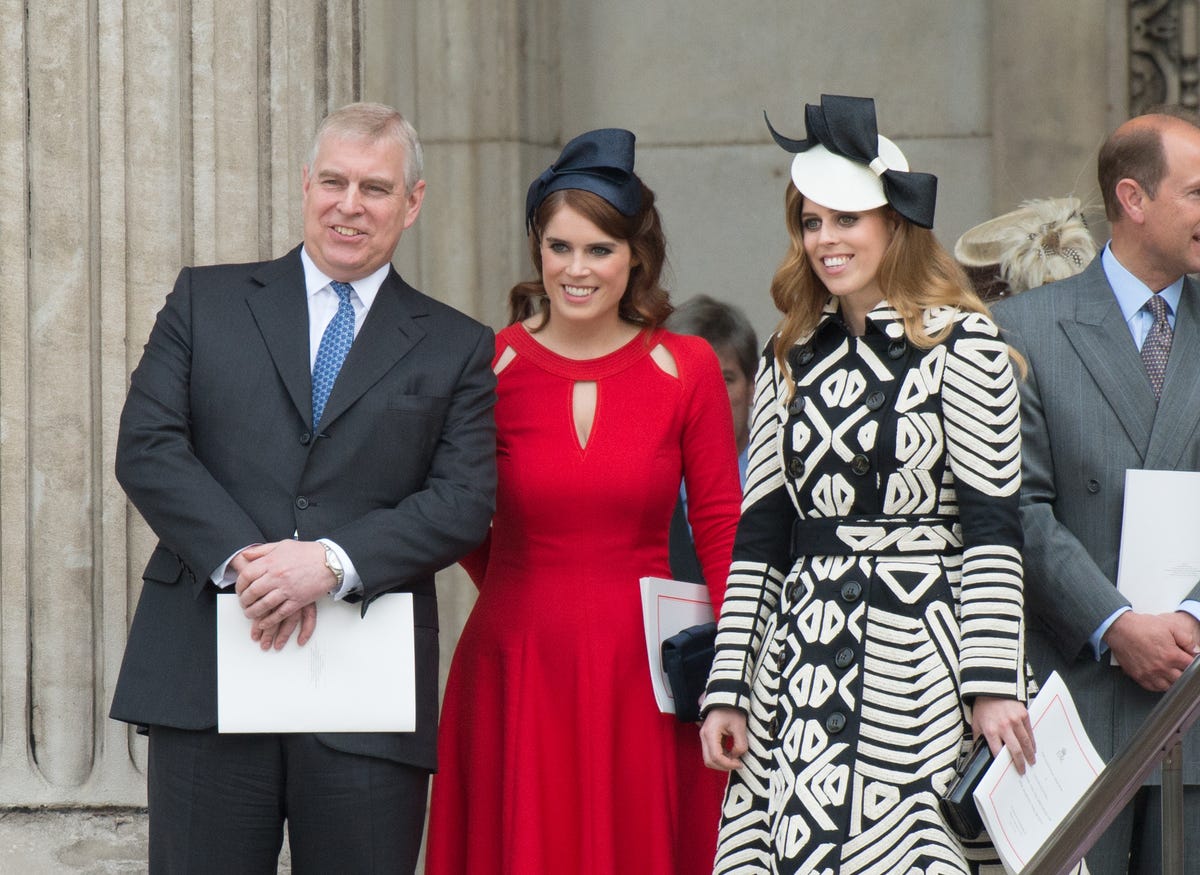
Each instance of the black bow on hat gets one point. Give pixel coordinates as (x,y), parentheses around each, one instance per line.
(600,162)
(846,126)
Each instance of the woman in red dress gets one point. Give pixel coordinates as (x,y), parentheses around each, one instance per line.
(554,757)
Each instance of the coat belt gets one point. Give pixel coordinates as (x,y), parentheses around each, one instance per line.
(875,535)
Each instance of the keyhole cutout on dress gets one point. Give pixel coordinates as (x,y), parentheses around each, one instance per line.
(583,409)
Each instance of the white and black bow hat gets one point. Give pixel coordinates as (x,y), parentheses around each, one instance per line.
(845,164)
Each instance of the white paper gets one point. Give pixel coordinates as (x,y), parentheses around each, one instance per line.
(669,606)
(356,674)
(1160,539)
(1020,811)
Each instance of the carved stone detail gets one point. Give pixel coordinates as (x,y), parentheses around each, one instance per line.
(1164,54)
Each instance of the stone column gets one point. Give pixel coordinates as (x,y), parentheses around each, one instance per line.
(136,137)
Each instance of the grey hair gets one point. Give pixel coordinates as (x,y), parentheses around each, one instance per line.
(723,325)
(374,121)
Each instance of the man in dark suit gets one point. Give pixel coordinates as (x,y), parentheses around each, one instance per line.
(732,338)
(1114,384)
(299,430)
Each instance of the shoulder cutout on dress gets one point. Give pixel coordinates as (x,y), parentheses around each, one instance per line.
(504,360)
(665,361)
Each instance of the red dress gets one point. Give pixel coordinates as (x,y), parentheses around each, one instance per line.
(553,755)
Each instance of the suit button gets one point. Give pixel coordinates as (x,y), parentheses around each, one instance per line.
(897,349)
(1093,486)
(860,464)
(793,589)
(305,438)
(773,727)
(797,406)
(875,400)
(851,590)
(835,722)
(844,658)
(795,467)
(302,502)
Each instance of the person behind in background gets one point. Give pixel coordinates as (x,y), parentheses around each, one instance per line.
(1114,385)
(732,338)
(300,430)
(872,623)
(555,757)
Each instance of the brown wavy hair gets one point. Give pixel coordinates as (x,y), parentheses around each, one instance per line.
(915,273)
(645,301)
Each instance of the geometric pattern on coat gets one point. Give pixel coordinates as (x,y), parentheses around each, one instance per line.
(876,589)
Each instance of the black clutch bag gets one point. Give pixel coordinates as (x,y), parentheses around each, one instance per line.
(687,657)
(958,801)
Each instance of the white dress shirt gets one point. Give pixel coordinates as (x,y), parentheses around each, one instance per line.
(322,305)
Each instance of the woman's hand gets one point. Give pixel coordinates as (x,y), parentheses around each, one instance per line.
(1005,723)
(723,737)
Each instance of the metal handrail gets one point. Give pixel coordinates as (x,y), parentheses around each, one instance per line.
(1160,736)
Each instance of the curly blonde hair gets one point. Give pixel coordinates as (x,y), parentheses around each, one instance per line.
(916,274)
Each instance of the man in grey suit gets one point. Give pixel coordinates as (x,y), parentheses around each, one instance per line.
(1114,384)
(300,430)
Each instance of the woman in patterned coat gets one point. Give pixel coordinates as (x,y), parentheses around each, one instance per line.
(873,616)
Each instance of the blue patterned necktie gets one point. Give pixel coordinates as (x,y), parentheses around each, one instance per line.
(335,343)
(1157,345)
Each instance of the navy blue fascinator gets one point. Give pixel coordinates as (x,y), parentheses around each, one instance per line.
(845,164)
(600,162)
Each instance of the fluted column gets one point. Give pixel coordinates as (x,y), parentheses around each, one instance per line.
(136,137)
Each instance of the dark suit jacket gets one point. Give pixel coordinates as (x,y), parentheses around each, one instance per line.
(217,451)
(685,564)
(1088,414)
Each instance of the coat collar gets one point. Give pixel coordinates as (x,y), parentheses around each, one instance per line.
(1101,339)
(884,319)
(280,309)
(881,319)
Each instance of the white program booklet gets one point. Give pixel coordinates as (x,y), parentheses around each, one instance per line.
(1160,539)
(669,606)
(1020,811)
(356,674)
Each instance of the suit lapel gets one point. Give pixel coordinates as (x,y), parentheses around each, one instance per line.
(1179,408)
(1105,347)
(280,309)
(390,331)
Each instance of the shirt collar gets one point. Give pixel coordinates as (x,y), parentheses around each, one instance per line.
(366,288)
(1131,292)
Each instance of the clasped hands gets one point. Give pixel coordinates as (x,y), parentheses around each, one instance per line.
(1154,649)
(278,585)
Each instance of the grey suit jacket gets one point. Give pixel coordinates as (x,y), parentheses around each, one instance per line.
(1088,414)
(217,450)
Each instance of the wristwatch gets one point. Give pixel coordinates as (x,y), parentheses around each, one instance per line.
(335,565)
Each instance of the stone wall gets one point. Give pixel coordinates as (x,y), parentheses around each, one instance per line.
(147,134)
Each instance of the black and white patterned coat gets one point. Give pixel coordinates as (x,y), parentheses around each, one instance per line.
(875,591)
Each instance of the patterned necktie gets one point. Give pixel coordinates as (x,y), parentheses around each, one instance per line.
(1157,345)
(335,343)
